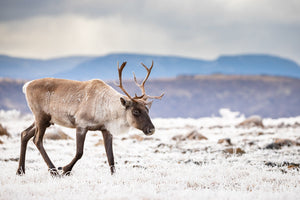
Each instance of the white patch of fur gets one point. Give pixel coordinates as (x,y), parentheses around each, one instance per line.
(118,123)
(24,91)
(25,86)
(118,127)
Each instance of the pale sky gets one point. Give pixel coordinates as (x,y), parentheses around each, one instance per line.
(191,28)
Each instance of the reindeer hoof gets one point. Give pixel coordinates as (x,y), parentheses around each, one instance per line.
(54,172)
(67,173)
(112,170)
(20,172)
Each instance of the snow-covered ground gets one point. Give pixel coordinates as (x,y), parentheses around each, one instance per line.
(160,166)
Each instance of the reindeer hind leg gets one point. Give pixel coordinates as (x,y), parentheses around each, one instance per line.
(41,127)
(25,137)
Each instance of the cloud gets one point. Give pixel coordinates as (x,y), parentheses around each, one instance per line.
(194,28)
(68,35)
(164,10)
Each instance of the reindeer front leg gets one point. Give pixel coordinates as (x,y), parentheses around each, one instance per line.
(107,137)
(80,137)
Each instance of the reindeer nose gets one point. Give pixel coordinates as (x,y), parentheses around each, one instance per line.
(150,131)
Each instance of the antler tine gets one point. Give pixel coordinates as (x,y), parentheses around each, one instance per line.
(142,85)
(148,73)
(156,97)
(120,70)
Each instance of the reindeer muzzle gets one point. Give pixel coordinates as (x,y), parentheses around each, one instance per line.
(149,131)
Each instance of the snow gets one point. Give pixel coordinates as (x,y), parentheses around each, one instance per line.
(158,167)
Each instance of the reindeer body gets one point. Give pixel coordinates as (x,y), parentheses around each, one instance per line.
(83,105)
(89,104)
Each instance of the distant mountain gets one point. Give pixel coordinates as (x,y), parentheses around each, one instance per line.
(105,67)
(199,96)
(22,68)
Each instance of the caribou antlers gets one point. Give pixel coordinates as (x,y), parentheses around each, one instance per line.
(120,69)
(144,96)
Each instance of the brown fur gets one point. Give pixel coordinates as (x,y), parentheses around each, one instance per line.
(87,105)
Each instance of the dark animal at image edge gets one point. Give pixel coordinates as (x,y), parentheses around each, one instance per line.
(86,106)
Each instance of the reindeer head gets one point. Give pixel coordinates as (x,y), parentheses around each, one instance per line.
(137,107)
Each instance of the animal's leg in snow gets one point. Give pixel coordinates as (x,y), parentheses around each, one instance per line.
(38,141)
(80,138)
(25,137)
(107,137)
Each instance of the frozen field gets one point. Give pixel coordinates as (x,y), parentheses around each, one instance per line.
(172,164)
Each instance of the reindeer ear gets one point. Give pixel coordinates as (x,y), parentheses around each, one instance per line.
(149,104)
(126,103)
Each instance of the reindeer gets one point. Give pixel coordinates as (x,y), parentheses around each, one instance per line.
(86,106)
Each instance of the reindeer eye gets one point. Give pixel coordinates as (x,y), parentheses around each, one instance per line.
(136,112)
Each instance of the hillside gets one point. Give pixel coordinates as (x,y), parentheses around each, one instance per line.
(104,67)
(199,96)
(22,68)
